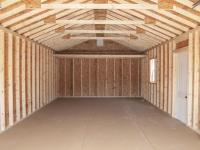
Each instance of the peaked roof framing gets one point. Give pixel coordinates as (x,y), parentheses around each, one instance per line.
(129,21)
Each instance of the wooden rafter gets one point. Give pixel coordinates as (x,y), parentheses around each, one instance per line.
(165,24)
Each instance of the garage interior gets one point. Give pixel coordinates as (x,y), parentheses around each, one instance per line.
(100,74)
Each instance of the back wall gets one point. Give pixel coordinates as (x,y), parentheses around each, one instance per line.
(99,77)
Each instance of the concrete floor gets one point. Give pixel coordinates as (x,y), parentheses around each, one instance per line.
(99,124)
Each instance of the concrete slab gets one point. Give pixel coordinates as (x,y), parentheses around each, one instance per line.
(99,124)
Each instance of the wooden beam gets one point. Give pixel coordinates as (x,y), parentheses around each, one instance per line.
(28,78)
(103,38)
(38,89)
(33,53)
(10,78)
(196,122)
(197,3)
(190,89)
(109,6)
(116,22)
(17,77)
(99,31)
(98,56)
(23,77)
(2,80)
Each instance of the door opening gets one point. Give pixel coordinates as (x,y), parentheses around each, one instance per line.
(181,64)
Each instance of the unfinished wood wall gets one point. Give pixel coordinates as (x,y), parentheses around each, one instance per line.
(159,93)
(162,93)
(99,77)
(28,78)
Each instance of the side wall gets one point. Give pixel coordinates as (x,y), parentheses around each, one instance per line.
(28,78)
(162,93)
(99,77)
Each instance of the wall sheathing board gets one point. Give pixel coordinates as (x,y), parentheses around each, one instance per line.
(20,78)
(165,99)
(99,77)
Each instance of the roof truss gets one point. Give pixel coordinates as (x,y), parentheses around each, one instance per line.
(152,21)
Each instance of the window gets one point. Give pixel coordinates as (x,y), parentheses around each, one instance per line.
(100,42)
(153,70)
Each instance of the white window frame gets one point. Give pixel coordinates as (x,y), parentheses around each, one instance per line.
(153,70)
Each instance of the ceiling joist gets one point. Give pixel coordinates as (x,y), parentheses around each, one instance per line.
(62,30)
(103,22)
(109,6)
(95,38)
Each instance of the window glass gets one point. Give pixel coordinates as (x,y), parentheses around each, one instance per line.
(153,70)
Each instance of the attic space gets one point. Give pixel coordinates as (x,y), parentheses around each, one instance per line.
(100,74)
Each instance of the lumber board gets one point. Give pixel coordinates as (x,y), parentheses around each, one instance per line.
(162,79)
(196,80)
(126,77)
(85,77)
(2,80)
(23,77)
(93,77)
(101,77)
(118,77)
(10,79)
(190,78)
(28,79)
(77,77)
(17,77)
(110,77)
(37,76)
(33,76)
(166,76)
